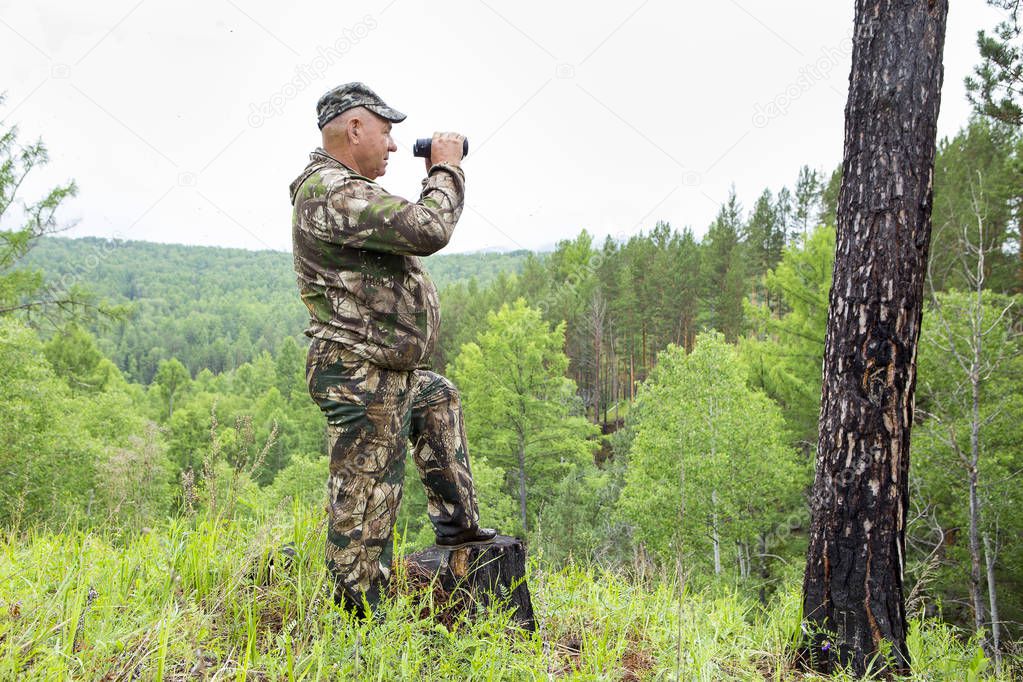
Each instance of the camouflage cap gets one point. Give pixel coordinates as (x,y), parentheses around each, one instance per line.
(350,95)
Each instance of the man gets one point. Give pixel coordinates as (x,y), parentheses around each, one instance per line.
(373,322)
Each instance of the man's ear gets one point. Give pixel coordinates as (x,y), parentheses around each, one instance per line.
(354,129)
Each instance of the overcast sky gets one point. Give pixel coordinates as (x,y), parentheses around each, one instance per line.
(185,121)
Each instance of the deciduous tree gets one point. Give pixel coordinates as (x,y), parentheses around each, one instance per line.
(521,411)
(708,469)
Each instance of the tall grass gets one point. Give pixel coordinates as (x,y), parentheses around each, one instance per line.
(205,597)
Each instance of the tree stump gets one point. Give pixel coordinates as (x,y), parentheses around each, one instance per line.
(474,577)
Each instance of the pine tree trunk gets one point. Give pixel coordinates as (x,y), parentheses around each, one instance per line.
(632,378)
(853,586)
(616,372)
(642,364)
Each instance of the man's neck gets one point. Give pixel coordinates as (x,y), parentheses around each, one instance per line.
(343,156)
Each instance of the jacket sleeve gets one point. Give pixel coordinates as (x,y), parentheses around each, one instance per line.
(364,215)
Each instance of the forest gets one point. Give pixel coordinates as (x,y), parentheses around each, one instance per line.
(643,411)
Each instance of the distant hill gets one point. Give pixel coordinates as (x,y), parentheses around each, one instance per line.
(209,307)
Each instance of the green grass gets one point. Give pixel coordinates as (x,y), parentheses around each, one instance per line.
(192,599)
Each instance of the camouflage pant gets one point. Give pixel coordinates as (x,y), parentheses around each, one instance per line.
(371,414)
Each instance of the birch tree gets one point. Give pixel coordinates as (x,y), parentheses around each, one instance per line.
(969,348)
(708,468)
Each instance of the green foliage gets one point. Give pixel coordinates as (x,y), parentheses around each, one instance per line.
(74,355)
(290,370)
(978,184)
(484,267)
(69,453)
(497,509)
(829,197)
(654,288)
(806,206)
(194,597)
(786,351)
(464,308)
(48,468)
(521,411)
(205,307)
(171,379)
(21,290)
(249,394)
(708,462)
(724,275)
(941,439)
(303,481)
(996,87)
(577,523)
(764,236)
(135,483)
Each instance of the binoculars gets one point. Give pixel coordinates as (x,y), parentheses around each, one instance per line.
(423,146)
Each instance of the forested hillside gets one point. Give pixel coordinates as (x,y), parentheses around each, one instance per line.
(211,308)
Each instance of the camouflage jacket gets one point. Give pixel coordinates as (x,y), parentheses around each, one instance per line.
(356,251)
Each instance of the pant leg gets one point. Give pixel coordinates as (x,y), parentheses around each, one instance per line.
(441,454)
(368,412)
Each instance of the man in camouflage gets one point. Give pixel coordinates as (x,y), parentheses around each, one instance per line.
(374,314)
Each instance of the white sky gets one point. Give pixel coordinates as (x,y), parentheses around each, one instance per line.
(606,116)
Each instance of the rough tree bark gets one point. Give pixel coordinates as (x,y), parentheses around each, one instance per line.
(853,586)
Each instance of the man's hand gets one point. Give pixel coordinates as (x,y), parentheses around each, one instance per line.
(445,148)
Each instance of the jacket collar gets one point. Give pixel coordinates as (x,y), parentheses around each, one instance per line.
(318,160)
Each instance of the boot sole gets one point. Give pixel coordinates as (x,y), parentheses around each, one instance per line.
(469,543)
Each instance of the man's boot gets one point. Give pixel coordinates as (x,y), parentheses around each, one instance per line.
(469,536)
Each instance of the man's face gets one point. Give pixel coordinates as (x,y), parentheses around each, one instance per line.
(375,144)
